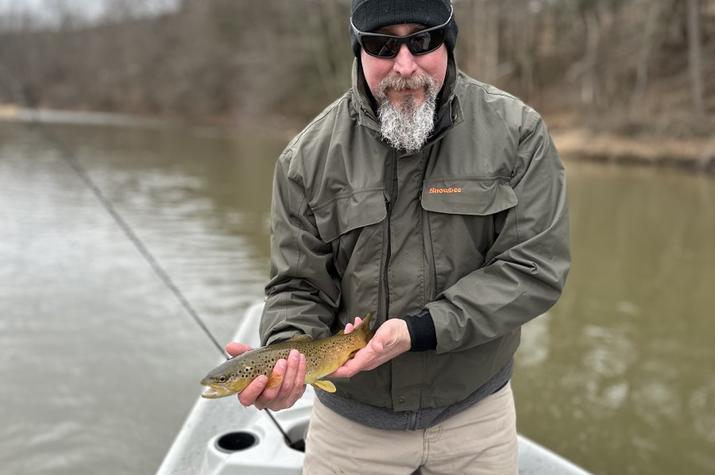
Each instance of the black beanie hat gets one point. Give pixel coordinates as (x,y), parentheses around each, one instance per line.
(369,15)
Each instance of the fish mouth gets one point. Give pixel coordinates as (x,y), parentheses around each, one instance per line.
(214,392)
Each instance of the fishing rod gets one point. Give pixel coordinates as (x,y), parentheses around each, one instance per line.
(71,160)
(134,238)
(106,203)
(73,163)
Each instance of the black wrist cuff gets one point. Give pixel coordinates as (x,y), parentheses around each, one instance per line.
(422,332)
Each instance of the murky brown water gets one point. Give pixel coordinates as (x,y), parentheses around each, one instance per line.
(100,364)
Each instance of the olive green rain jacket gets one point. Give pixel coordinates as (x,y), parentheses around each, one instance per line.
(473,227)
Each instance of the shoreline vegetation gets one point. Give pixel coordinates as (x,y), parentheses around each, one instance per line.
(624,81)
(694,153)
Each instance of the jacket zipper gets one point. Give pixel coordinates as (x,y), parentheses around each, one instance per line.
(430,276)
(390,198)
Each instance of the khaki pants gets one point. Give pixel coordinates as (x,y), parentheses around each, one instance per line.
(481,440)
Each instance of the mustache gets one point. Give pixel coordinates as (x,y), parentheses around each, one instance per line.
(398,83)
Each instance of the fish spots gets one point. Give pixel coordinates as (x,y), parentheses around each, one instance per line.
(322,358)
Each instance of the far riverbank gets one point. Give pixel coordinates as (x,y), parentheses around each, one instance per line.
(695,154)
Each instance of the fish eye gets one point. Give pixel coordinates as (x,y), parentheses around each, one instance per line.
(222,379)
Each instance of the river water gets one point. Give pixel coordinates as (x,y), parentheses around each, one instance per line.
(100,364)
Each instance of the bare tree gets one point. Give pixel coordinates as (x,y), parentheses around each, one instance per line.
(695,57)
(229,58)
(653,11)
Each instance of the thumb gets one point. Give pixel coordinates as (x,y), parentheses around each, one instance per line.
(377,345)
(388,337)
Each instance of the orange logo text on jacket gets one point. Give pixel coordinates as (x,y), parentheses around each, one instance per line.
(435,190)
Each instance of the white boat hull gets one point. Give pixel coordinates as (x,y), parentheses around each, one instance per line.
(221,437)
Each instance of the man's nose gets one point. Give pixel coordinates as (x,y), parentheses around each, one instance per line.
(404,62)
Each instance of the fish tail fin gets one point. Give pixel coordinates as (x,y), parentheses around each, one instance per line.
(364,328)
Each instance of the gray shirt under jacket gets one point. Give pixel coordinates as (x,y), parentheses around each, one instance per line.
(386,419)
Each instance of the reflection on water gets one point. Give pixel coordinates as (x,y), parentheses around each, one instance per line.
(100,363)
(629,346)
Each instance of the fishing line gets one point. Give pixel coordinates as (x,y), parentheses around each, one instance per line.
(158,269)
(73,163)
(69,158)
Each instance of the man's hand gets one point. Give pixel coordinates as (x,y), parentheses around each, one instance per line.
(287,382)
(391,339)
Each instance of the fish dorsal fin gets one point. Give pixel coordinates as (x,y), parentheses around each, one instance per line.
(301,338)
(325,385)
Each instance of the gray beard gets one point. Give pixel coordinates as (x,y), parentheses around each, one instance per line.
(408,125)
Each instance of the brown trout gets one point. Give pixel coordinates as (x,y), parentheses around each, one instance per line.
(322,357)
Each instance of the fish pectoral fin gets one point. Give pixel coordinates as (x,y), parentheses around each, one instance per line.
(325,385)
(301,338)
(274,381)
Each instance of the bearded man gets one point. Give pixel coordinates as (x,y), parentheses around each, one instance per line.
(437,202)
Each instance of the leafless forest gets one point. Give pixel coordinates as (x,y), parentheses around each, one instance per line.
(631,65)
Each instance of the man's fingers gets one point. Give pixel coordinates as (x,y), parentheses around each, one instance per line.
(249,395)
(277,378)
(377,345)
(352,326)
(299,387)
(235,348)
(348,370)
(281,389)
(291,372)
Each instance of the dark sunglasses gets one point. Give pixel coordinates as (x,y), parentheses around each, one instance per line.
(387,46)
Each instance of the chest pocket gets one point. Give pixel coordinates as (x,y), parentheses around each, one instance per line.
(353,225)
(464,217)
(476,197)
(348,212)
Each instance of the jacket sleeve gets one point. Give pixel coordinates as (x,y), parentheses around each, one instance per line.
(526,268)
(303,293)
